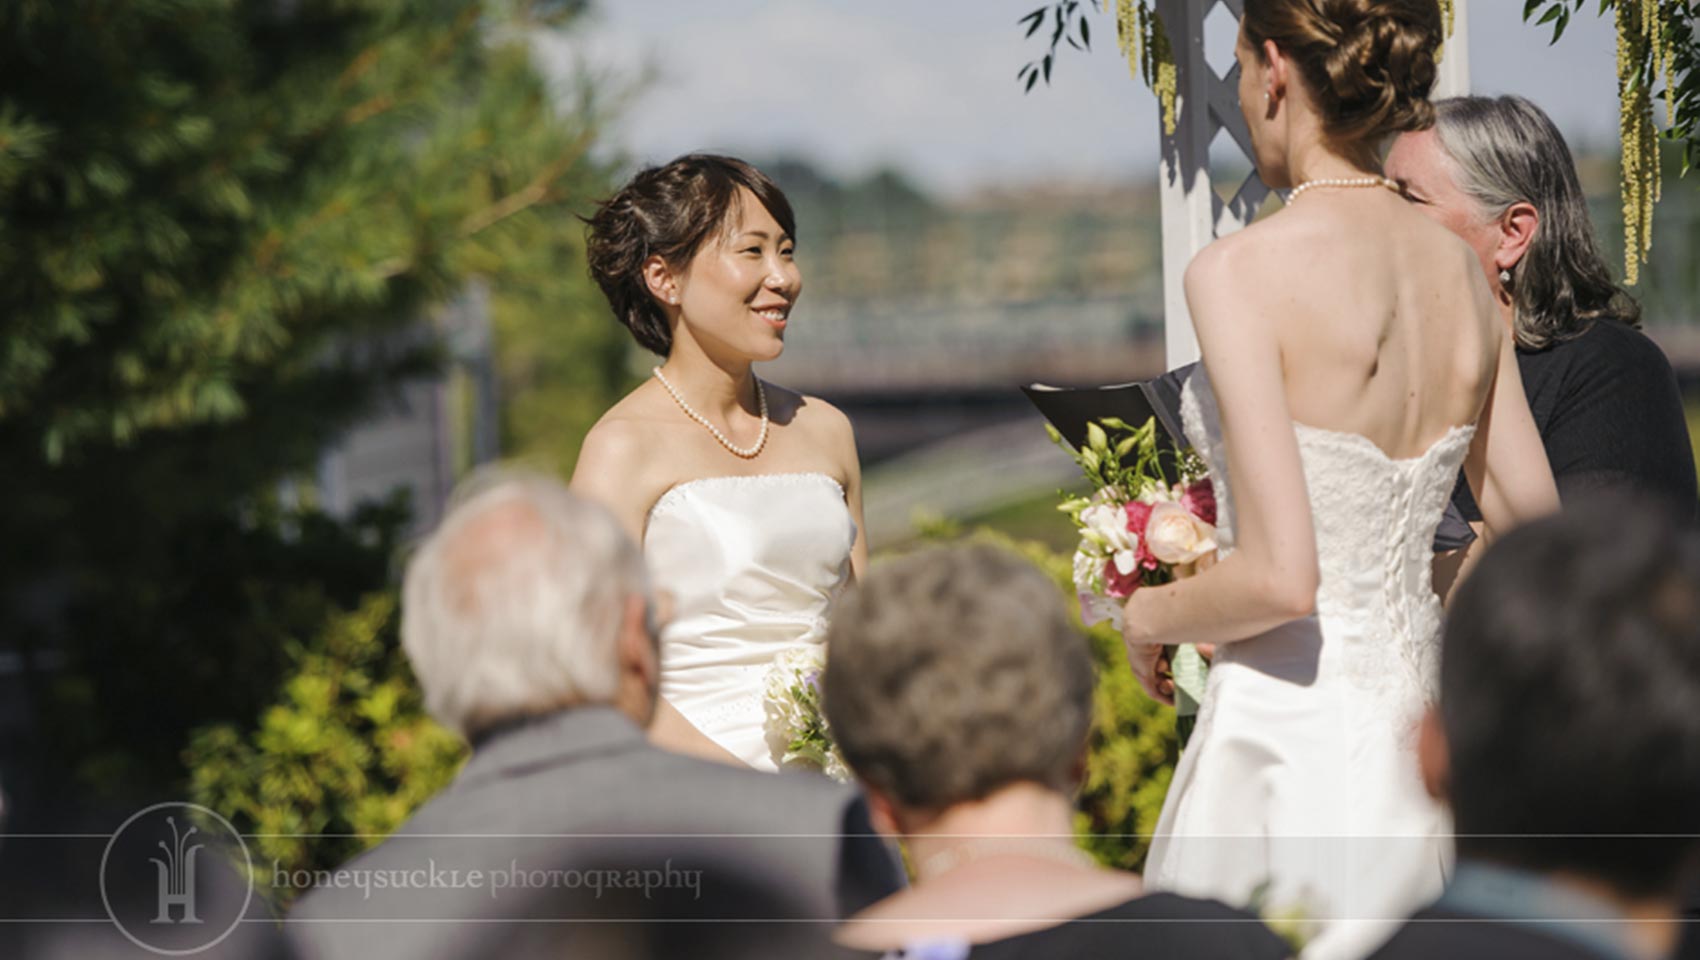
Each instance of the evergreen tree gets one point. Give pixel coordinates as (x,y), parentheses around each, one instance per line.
(219,221)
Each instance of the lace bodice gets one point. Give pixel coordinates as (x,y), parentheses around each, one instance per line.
(753,565)
(1375,519)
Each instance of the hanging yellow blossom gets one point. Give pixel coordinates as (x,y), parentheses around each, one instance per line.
(1643,55)
(1145,44)
(1449,12)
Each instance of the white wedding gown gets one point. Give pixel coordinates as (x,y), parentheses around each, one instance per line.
(753,564)
(1300,785)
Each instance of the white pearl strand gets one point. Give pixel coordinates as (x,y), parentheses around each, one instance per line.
(748,453)
(1392,185)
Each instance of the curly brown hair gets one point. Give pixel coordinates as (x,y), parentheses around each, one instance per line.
(1369,63)
(668,211)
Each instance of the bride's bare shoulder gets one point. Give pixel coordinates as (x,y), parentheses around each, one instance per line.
(617,463)
(1241,261)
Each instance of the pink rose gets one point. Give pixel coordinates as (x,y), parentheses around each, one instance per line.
(1120,585)
(1200,498)
(1138,517)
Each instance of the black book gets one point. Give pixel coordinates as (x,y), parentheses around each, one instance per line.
(1070,409)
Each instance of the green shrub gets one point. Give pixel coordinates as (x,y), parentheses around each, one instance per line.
(343,757)
(346,753)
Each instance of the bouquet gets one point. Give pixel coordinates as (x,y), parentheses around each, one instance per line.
(1138,529)
(796,726)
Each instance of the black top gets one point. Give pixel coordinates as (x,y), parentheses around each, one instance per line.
(1610,415)
(1688,948)
(1155,926)
(1432,934)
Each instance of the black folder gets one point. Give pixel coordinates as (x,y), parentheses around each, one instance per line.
(1070,409)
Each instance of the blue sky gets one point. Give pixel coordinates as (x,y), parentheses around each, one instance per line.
(929,85)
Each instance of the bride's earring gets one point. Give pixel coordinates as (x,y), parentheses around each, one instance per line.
(1505,279)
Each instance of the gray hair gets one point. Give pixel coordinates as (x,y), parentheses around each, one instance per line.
(954,672)
(512,607)
(1508,151)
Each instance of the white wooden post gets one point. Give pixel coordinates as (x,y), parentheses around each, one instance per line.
(1193,213)
(1454,78)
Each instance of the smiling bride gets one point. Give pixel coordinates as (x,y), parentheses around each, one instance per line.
(745,496)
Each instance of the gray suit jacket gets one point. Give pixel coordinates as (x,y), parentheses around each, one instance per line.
(576,817)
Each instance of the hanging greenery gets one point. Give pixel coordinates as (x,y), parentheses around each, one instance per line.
(1139,35)
(1656,53)
(1145,44)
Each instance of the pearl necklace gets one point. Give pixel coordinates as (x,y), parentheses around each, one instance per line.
(949,859)
(1392,185)
(748,453)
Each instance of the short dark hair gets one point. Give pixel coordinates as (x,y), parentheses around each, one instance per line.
(1570,697)
(668,211)
(954,672)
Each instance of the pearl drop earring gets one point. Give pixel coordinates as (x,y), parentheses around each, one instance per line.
(1505,278)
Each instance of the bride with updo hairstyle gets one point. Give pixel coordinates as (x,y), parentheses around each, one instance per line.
(745,496)
(1353,361)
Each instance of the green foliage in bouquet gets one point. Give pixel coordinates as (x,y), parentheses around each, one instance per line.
(793,707)
(813,743)
(1132,748)
(1105,460)
(345,749)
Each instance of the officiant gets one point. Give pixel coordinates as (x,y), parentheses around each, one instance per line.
(1497,172)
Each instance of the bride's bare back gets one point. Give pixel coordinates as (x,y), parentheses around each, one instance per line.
(1352,313)
(1383,322)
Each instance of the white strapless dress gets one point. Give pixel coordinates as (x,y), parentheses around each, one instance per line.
(1300,785)
(754,565)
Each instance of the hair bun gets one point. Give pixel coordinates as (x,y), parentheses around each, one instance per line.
(1371,64)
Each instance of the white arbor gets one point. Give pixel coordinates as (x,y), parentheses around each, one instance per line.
(1207,107)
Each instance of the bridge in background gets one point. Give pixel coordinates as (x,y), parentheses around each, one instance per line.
(934,391)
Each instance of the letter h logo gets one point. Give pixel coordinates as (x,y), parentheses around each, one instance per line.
(177,876)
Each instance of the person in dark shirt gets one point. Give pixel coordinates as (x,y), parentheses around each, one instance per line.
(960,694)
(1497,172)
(1567,743)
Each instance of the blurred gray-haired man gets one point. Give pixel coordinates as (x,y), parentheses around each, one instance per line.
(526,617)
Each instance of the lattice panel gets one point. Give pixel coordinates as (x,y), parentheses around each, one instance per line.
(1202,200)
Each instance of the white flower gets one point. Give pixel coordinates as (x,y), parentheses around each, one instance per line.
(1107,524)
(1096,608)
(1174,535)
(1088,570)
